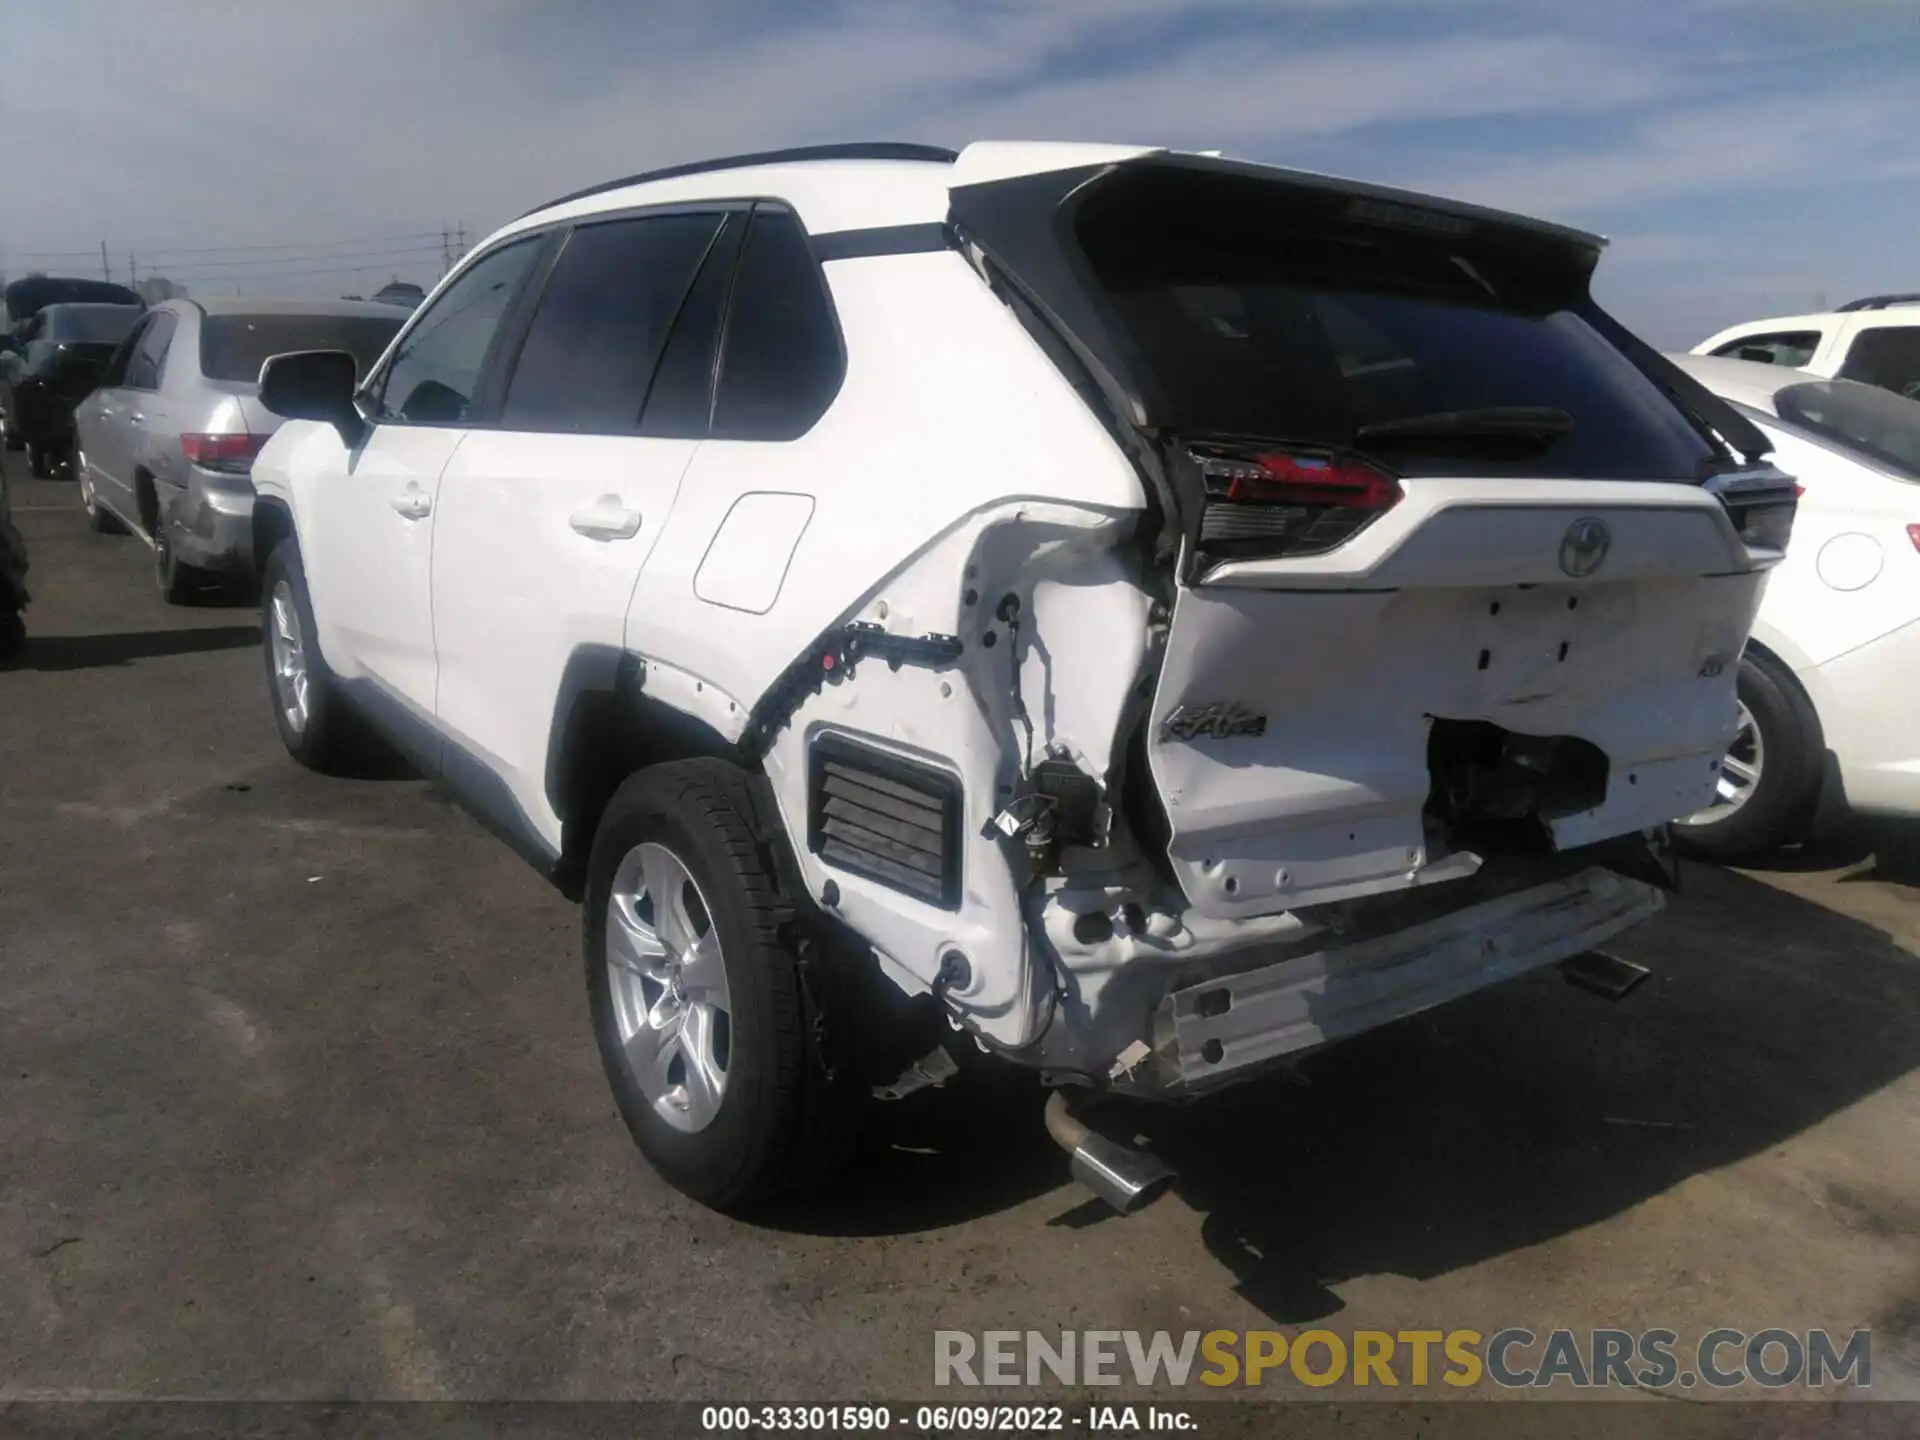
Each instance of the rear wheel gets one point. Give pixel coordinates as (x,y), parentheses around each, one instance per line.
(178,583)
(40,461)
(699,1010)
(307,708)
(99,519)
(11,436)
(1768,774)
(13,634)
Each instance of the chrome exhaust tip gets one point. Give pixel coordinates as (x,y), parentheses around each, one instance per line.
(1126,1178)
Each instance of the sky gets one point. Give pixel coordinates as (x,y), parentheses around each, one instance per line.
(1746,157)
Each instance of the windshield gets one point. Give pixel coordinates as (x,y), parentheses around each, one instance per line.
(234,347)
(91,324)
(1876,423)
(1257,322)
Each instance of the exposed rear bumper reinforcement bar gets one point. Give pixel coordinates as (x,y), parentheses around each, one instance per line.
(1215,1032)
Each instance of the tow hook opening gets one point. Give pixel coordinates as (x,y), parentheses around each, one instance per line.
(1493,791)
(1126,1178)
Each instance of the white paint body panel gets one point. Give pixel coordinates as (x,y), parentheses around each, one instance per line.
(1854,646)
(957,472)
(747,562)
(518,591)
(1855,650)
(368,565)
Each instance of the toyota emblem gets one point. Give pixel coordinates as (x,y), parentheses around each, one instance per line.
(1584,549)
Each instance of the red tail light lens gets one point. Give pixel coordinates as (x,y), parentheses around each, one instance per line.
(1268,504)
(1913,534)
(231,453)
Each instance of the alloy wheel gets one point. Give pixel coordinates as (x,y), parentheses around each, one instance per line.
(289,650)
(668,984)
(1740,771)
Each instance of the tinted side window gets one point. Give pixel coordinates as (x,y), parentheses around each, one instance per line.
(150,355)
(680,403)
(432,376)
(1887,356)
(116,373)
(782,364)
(1792,348)
(602,322)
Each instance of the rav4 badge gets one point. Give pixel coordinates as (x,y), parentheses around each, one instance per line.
(1221,720)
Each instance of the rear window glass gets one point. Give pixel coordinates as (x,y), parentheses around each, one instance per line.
(1257,323)
(234,347)
(1887,356)
(95,325)
(1877,424)
(1792,348)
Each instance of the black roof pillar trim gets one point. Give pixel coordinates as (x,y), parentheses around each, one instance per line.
(885,240)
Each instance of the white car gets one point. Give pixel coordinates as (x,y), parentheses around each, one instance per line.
(1135,614)
(1830,684)
(1875,340)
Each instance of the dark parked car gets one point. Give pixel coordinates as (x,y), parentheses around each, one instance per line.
(65,349)
(13,577)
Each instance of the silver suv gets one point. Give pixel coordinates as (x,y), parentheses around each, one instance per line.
(166,443)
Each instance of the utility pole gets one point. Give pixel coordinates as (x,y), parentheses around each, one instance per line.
(105,273)
(446,254)
(460,252)
(133,271)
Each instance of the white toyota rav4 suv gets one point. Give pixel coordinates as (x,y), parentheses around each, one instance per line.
(1134,614)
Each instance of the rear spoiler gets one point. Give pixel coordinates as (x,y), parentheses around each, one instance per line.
(1022,224)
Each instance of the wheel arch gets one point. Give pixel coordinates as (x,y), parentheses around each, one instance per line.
(606,727)
(272,523)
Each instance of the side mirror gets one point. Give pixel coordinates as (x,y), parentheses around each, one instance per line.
(315,385)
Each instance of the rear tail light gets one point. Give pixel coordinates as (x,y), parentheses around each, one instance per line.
(1760,505)
(230,454)
(1267,504)
(1913,534)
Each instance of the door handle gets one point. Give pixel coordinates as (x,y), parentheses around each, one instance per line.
(413,503)
(138,418)
(608,518)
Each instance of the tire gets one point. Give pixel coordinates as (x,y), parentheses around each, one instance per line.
(39,461)
(315,731)
(778,1120)
(178,582)
(1780,740)
(11,437)
(13,634)
(99,519)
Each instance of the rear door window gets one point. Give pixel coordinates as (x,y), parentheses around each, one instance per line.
(1259,320)
(680,402)
(149,360)
(782,361)
(1881,427)
(602,322)
(1792,348)
(1887,356)
(234,347)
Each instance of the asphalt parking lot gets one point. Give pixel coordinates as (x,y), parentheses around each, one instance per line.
(300,1101)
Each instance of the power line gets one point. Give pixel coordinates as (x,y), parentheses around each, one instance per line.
(297,274)
(35,255)
(214,268)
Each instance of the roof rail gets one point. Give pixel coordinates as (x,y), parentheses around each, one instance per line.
(1882,302)
(857,150)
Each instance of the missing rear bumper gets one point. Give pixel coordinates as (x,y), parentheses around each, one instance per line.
(1225,1029)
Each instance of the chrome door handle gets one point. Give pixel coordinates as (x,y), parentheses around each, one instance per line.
(413,503)
(608,518)
(138,418)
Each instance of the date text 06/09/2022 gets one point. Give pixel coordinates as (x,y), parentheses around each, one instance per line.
(946,1419)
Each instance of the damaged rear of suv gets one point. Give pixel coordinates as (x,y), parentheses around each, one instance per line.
(1182,612)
